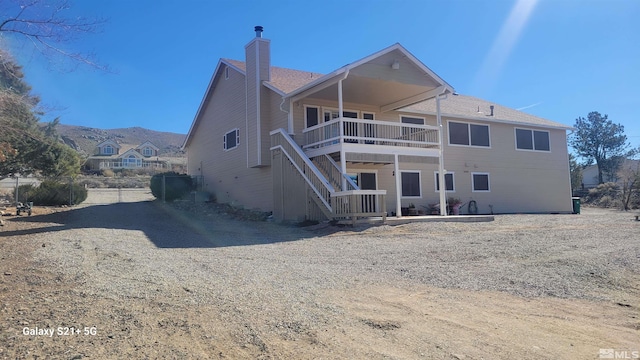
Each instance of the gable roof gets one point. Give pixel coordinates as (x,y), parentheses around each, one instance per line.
(109,142)
(149,144)
(130,152)
(289,83)
(469,107)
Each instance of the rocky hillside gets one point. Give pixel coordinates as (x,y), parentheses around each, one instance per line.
(84,139)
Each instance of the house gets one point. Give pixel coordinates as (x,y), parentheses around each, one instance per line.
(111,155)
(371,138)
(590,173)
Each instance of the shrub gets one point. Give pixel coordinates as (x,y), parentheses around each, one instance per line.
(51,193)
(108,173)
(609,190)
(176,185)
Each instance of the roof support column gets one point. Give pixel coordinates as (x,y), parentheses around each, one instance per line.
(441,170)
(396,171)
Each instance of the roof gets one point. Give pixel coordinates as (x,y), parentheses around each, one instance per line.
(470,107)
(284,80)
(149,144)
(288,80)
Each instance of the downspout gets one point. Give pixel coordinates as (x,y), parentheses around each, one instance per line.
(441,170)
(343,160)
(289,114)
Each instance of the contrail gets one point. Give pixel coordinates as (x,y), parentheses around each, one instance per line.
(529,106)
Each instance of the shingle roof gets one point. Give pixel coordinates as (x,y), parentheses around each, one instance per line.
(288,80)
(285,80)
(473,108)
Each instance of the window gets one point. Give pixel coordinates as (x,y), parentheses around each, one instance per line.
(468,134)
(108,149)
(412,120)
(532,140)
(311,116)
(410,183)
(232,139)
(448,181)
(147,151)
(226,73)
(480,182)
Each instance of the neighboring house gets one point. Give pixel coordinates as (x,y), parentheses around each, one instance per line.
(590,174)
(111,155)
(365,140)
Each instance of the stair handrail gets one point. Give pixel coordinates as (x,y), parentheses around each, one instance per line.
(316,176)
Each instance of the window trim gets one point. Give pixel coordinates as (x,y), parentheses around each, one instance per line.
(533,140)
(473,183)
(224,143)
(419,172)
(469,132)
(453,180)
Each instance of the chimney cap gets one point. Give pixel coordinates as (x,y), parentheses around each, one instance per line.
(258,29)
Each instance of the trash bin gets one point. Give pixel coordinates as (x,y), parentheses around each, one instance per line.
(576,204)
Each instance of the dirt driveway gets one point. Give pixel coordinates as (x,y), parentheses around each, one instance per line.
(145,280)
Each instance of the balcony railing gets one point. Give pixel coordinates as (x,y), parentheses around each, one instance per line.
(370,132)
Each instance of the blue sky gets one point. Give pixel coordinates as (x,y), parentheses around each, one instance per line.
(558,59)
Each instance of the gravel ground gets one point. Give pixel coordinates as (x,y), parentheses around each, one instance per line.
(157,281)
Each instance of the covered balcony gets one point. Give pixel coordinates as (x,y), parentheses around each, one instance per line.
(370,136)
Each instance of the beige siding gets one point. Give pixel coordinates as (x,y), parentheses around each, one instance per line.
(278,118)
(289,190)
(257,70)
(225,172)
(520,181)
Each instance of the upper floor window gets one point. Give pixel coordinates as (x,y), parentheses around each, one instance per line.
(311,116)
(532,140)
(147,151)
(232,139)
(412,120)
(468,134)
(108,150)
(226,73)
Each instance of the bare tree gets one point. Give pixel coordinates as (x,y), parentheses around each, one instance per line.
(46,26)
(629,176)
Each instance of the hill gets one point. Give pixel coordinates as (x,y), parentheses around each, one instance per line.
(84,139)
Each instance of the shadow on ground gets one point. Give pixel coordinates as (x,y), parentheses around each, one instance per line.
(165,226)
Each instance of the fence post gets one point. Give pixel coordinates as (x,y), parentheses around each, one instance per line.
(164,184)
(17,177)
(70,191)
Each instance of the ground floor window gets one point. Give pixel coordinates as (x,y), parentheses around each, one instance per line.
(448,181)
(410,184)
(480,182)
(232,139)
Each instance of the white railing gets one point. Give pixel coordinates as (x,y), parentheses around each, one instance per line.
(319,184)
(350,204)
(370,132)
(132,165)
(333,172)
(359,203)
